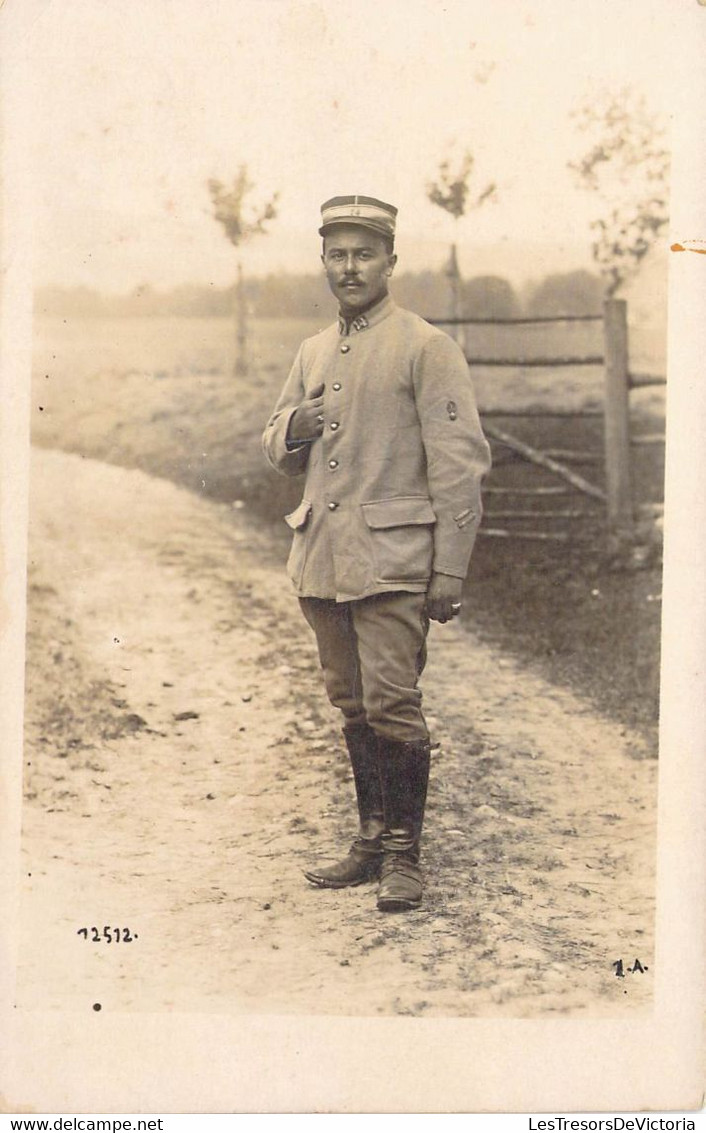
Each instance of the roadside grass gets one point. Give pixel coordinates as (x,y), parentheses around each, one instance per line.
(159,394)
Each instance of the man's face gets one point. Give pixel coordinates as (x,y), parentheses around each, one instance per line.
(358,267)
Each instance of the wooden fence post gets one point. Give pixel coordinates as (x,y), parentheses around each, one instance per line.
(617,425)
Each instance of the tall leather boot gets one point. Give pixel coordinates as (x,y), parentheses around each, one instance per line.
(363,861)
(404,772)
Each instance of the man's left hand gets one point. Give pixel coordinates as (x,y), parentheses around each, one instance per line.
(443,597)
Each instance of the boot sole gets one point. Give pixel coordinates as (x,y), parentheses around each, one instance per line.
(396,905)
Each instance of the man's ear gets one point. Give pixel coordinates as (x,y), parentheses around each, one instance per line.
(393,261)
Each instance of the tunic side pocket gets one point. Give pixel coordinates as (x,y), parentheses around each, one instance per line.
(401,536)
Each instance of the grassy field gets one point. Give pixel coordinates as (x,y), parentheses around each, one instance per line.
(159,394)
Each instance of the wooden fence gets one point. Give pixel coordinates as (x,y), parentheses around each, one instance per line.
(617,498)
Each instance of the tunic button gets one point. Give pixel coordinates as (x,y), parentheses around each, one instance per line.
(336,386)
(345,348)
(332,506)
(333,464)
(334,425)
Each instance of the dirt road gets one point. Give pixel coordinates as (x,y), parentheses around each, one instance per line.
(183,767)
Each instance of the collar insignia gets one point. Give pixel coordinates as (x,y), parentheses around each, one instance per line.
(360,322)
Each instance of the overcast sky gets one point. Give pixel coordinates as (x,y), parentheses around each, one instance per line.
(133,106)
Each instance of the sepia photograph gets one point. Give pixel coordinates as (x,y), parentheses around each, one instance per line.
(345,412)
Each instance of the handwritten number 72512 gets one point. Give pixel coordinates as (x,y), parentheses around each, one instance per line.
(108,935)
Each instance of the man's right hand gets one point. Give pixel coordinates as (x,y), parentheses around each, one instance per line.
(307,421)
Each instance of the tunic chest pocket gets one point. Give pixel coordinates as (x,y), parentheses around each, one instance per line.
(400,531)
(298,520)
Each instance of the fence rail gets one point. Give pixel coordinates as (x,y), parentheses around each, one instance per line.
(537,412)
(523,321)
(639,381)
(502,533)
(649,439)
(546,513)
(535,456)
(544,363)
(549,490)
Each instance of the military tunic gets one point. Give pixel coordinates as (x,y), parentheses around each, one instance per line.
(392,488)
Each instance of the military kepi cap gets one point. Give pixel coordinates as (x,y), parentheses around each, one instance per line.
(368,212)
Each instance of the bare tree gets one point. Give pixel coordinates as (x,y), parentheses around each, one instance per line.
(627,167)
(451,191)
(241,222)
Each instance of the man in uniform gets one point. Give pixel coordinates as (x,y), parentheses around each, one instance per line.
(379,414)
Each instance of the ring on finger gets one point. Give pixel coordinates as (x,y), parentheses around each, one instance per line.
(320,418)
(455,606)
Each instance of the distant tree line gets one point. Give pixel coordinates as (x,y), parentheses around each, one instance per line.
(302,296)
